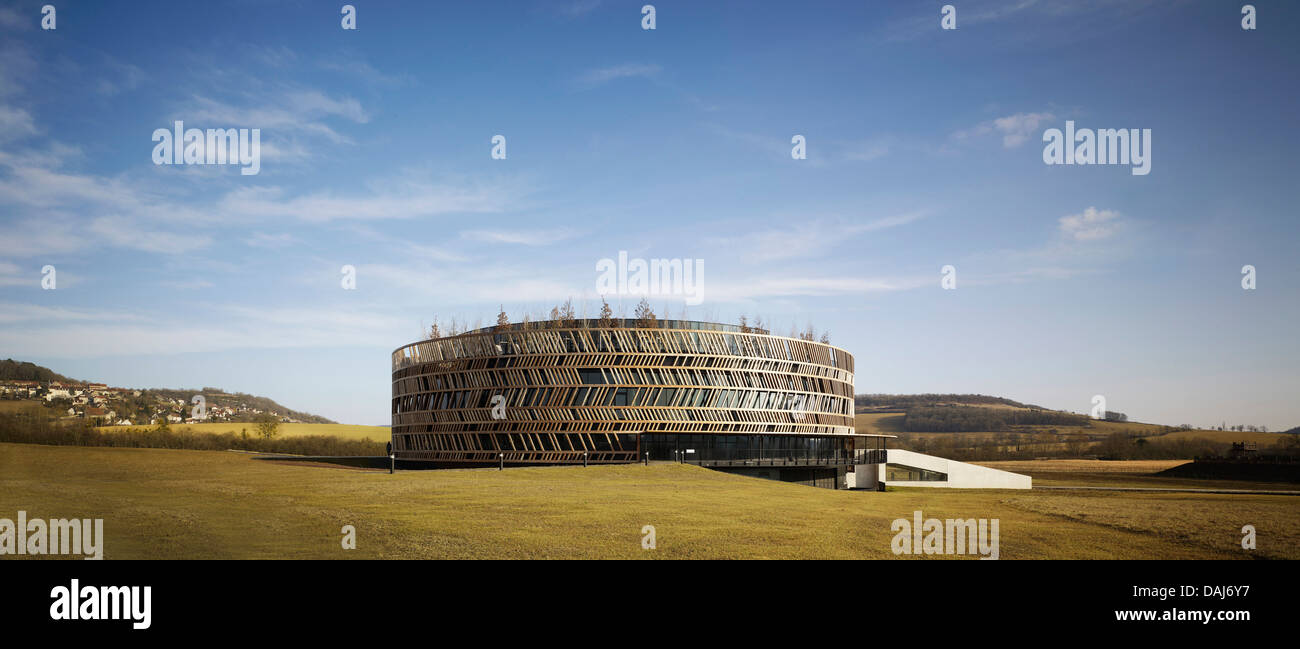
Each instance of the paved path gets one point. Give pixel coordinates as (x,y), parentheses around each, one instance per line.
(1261,492)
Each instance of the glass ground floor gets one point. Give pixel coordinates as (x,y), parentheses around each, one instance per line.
(751,450)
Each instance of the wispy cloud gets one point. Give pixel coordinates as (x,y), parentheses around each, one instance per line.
(1090,225)
(575,8)
(778,147)
(15,123)
(866,151)
(809,286)
(16,67)
(187,284)
(806,237)
(1109,14)
(1015,129)
(353,65)
(12,275)
(275,56)
(124,76)
(922,23)
(272,241)
(488,283)
(18,312)
(1081,244)
(291,110)
(600,76)
(383,200)
(124,232)
(72,333)
(521,237)
(11,19)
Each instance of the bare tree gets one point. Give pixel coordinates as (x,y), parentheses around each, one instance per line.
(606,314)
(744,324)
(567,317)
(645,316)
(502,319)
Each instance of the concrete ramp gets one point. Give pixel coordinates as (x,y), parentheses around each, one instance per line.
(911,469)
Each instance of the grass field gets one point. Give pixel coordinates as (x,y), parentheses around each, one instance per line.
(345,431)
(1126,473)
(196,504)
(879,423)
(21,406)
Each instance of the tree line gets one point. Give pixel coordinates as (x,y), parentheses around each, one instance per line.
(36,427)
(970,419)
(906,401)
(566,316)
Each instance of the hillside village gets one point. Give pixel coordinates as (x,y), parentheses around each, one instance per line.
(103,405)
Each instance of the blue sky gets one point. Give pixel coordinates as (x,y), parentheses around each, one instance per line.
(924,149)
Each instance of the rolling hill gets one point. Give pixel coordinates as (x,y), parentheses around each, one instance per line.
(155,400)
(969,426)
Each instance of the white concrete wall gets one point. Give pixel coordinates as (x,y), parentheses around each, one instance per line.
(961,475)
(865,476)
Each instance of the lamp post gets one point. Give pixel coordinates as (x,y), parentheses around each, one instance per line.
(392,463)
(584,459)
(501,457)
(647,458)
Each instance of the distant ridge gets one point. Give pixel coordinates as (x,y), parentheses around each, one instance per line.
(11,370)
(906,400)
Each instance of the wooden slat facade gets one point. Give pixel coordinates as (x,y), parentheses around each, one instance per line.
(570,391)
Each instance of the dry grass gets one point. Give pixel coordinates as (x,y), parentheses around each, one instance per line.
(879,423)
(343,431)
(195,504)
(1124,473)
(1208,521)
(22,406)
(1085,466)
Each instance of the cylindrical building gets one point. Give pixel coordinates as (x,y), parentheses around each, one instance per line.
(610,391)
